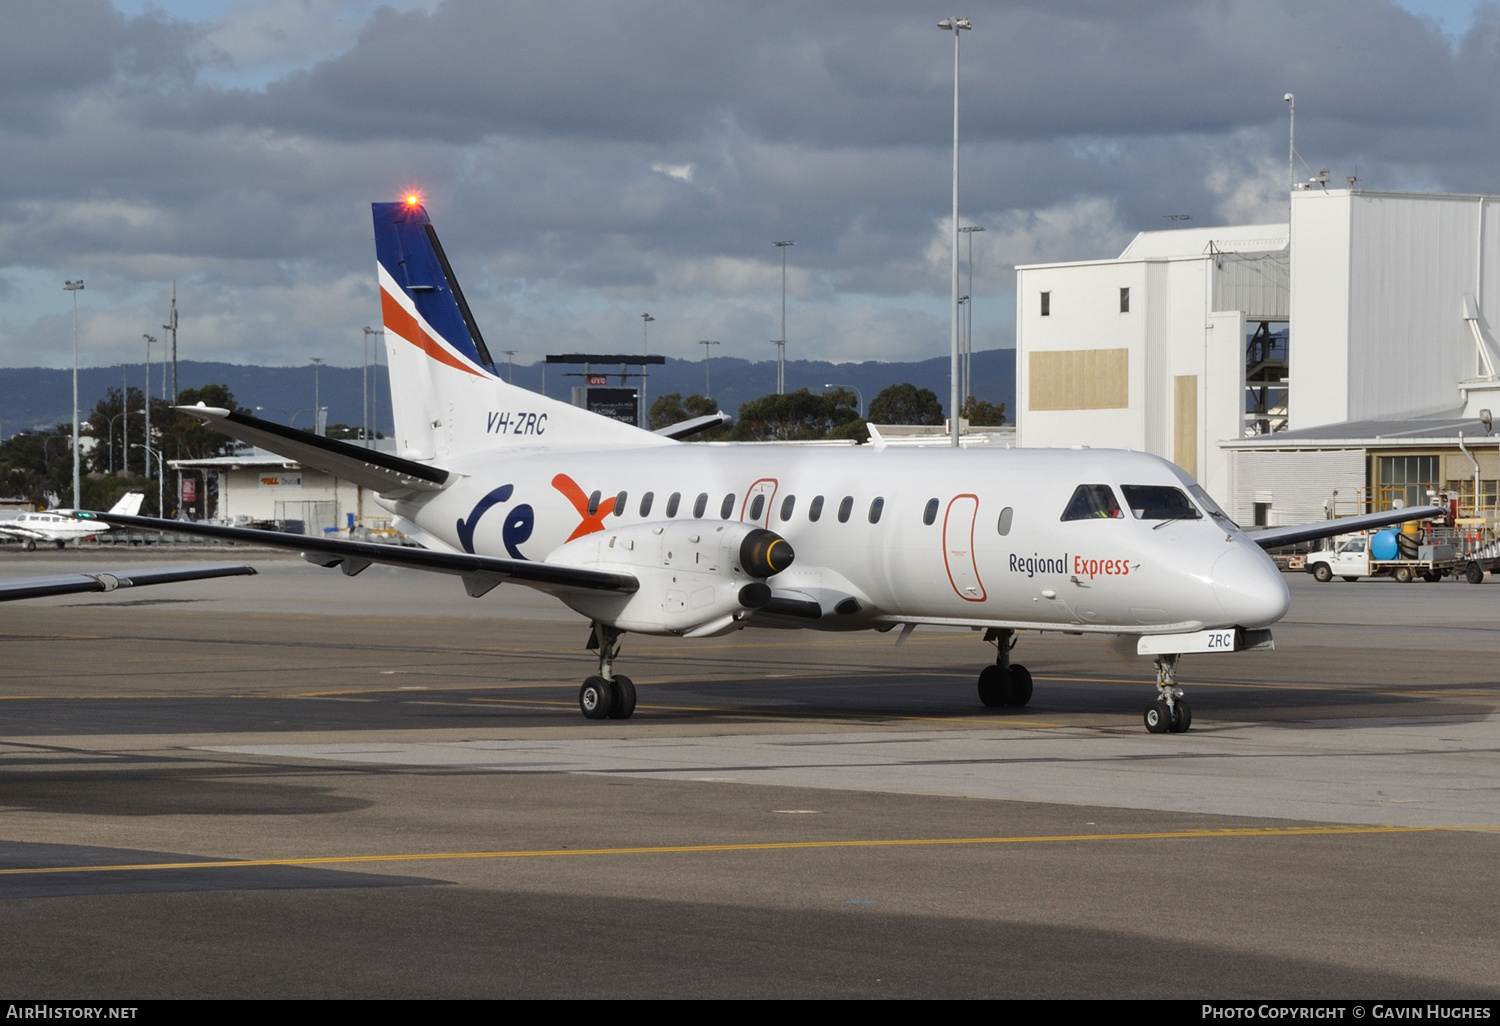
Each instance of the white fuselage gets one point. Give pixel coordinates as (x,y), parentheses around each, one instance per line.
(49,527)
(995,552)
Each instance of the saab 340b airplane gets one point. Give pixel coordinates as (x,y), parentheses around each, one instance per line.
(640,532)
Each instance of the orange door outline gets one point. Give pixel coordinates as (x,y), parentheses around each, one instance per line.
(958,547)
(765,486)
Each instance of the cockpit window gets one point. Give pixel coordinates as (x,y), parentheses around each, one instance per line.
(1091,502)
(1159,502)
(1207,504)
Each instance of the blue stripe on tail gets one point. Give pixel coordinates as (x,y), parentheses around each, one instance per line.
(407,247)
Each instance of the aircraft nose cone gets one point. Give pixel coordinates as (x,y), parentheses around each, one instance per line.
(1249,588)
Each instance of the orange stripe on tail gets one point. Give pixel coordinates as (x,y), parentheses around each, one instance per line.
(406,326)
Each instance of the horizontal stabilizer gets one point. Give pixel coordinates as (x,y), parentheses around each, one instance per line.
(684,428)
(544,576)
(109,580)
(1273,537)
(382,472)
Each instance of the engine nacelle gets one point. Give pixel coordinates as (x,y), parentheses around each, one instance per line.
(697,577)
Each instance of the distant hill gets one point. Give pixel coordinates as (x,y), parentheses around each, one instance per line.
(40,397)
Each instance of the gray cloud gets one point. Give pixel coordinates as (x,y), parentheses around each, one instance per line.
(585,162)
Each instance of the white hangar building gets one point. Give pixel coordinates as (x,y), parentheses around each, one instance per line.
(1280,364)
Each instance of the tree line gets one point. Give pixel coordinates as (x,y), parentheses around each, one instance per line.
(37,465)
(803,416)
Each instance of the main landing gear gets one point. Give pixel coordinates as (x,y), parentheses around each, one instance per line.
(1005,683)
(1170,713)
(607,695)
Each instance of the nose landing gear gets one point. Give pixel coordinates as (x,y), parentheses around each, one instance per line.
(1005,684)
(1170,713)
(607,695)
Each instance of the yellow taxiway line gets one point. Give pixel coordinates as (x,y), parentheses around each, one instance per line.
(693,849)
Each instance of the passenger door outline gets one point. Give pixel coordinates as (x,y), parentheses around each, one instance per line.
(765,486)
(958,547)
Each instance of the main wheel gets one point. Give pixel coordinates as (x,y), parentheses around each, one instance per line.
(30,545)
(596,698)
(1182,717)
(1474,573)
(1402,574)
(1158,717)
(625,688)
(1322,573)
(1020,685)
(994,687)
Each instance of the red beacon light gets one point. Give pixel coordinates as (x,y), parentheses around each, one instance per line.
(412,199)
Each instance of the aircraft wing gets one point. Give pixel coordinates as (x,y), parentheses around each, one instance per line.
(684,428)
(109,580)
(23,532)
(480,573)
(380,471)
(1272,537)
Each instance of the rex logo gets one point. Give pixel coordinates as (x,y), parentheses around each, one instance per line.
(591,522)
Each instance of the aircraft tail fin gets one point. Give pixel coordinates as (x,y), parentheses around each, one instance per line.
(446,396)
(129,504)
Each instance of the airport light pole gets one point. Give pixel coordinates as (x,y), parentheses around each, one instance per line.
(510,364)
(968,360)
(161,478)
(1291,141)
(317,362)
(75,287)
(645,410)
(705,343)
(171,326)
(364,391)
(375,382)
(781,342)
(963,312)
(149,339)
(857,394)
(957,26)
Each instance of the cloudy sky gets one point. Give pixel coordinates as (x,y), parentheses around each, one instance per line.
(586,162)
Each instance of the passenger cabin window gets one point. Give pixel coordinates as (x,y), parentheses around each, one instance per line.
(876,505)
(815,509)
(673,501)
(1046,304)
(726,508)
(699,505)
(1004,525)
(929,514)
(594,502)
(1124,300)
(1092,502)
(646,504)
(787,505)
(620,501)
(845,508)
(1159,502)
(757,507)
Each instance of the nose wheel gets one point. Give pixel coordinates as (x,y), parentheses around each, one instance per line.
(607,695)
(1170,713)
(1006,684)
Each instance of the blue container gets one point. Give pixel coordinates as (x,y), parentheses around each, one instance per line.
(1383,545)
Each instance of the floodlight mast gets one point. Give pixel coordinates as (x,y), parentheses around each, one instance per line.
(957,26)
(74,287)
(781,342)
(645,420)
